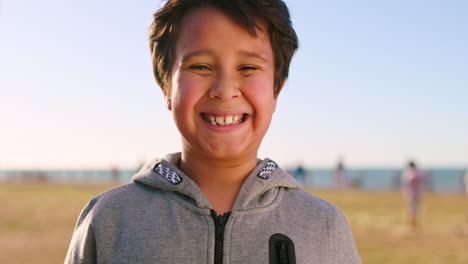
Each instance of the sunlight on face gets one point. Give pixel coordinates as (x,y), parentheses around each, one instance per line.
(222,86)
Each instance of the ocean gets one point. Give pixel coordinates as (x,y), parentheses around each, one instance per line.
(439,179)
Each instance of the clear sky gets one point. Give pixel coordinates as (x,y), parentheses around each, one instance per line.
(374,82)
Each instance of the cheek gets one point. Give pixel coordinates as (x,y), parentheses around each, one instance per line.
(259,91)
(185,91)
(186,94)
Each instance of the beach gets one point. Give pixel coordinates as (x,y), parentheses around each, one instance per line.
(37,221)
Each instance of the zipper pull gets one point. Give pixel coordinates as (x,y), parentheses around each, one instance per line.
(281,250)
(220,221)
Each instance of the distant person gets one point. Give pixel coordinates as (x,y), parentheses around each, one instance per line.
(413,183)
(299,173)
(115,174)
(340,175)
(465,184)
(465,181)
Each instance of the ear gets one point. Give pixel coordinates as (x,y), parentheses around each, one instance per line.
(167,98)
(275,100)
(277,94)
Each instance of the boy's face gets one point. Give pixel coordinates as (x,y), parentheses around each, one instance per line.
(221,92)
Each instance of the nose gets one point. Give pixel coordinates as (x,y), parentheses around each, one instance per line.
(224,87)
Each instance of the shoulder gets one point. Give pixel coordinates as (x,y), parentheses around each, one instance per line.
(309,200)
(310,205)
(325,223)
(122,198)
(119,194)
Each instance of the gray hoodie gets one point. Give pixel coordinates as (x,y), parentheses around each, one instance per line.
(163,217)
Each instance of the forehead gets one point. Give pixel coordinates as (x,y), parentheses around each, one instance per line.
(210,28)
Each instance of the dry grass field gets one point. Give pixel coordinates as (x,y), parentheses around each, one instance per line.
(36,223)
(382,235)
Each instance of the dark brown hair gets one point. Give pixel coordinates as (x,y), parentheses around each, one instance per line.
(274,13)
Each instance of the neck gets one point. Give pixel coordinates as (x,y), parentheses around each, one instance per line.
(219,180)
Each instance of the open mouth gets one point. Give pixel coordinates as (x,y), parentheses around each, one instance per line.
(223,120)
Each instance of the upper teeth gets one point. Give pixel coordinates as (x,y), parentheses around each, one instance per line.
(225,120)
(220,120)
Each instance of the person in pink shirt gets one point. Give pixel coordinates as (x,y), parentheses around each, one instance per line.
(465,181)
(413,182)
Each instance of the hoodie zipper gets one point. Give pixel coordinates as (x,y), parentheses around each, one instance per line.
(220,224)
(283,256)
(281,250)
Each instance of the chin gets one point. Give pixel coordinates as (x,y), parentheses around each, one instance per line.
(229,153)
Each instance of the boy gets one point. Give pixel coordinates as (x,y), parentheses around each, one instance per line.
(221,65)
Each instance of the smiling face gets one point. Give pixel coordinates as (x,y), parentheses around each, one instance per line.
(222,87)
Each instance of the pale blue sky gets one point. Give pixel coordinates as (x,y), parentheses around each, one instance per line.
(374,82)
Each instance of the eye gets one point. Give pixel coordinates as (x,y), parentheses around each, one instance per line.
(199,67)
(248,68)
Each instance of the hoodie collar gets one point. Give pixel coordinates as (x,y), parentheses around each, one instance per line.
(258,190)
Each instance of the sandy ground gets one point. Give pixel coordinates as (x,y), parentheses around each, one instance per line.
(37,220)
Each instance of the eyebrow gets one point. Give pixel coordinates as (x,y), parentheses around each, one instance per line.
(195,54)
(242,53)
(245,53)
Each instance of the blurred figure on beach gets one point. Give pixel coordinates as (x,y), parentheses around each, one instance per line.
(413,183)
(299,173)
(465,181)
(115,174)
(340,175)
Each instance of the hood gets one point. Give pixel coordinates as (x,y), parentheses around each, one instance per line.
(258,190)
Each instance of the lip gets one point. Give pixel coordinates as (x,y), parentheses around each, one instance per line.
(218,113)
